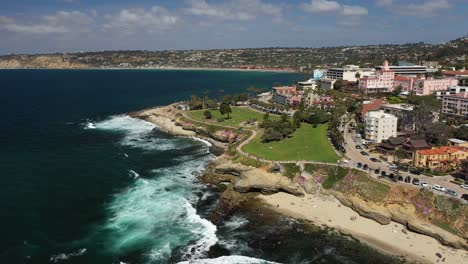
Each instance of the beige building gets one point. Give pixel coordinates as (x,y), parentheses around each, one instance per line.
(456,104)
(380,126)
(442,158)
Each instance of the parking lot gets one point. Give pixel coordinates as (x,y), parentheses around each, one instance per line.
(370,162)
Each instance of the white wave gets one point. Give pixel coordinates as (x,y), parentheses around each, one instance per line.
(133,174)
(90,125)
(236,222)
(156,213)
(64,256)
(203,227)
(229,260)
(203,140)
(137,133)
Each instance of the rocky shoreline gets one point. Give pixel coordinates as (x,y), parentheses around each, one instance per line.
(241,184)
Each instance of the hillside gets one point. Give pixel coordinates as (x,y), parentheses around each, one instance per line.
(450,54)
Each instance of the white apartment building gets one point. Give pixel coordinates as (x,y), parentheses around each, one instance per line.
(309,85)
(347,73)
(380,126)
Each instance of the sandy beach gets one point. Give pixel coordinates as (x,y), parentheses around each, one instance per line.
(391,239)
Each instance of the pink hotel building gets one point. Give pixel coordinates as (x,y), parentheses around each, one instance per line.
(381,81)
(423,86)
(385,80)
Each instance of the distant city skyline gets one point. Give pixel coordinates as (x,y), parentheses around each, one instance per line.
(46,26)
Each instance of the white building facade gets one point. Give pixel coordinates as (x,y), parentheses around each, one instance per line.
(348,73)
(380,126)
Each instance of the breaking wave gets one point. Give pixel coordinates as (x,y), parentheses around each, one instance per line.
(229,260)
(156,214)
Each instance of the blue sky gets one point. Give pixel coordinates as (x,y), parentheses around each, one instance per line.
(35,26)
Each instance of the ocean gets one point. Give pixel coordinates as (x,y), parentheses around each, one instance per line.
(82,182)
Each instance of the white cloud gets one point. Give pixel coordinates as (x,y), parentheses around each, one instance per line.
(322,6)
(134,19)
(384,3)
(426,8)
(234,10)
(59,23)
(318,6)
(354,10)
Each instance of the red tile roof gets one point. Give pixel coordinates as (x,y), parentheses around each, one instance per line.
(455,73)
(373,106)
(441,150)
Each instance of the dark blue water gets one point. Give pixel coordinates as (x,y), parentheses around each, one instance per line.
(117,191)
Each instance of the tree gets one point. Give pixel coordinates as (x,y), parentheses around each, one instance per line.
(397,90)
(225,109)
(357,75)
(207,114)
(195,102)
(399,154)
(314,119)
(461,133)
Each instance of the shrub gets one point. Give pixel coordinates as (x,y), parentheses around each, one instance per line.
(207,114)
(221,119)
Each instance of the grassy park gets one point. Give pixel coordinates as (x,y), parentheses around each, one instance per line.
(307,143)
(238,115)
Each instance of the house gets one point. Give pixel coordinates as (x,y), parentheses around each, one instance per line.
(441,158)
(389,146)
(457,142)
(413,145)
(456,74)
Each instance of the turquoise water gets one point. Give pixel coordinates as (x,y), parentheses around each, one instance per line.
(83,183)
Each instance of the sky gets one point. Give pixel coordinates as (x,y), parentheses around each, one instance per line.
(47,26)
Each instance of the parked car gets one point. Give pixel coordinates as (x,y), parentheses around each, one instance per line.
(464,197)
(383,173)
(359,165)
(377,171)
(364,153)
(374,160)
(424,184)
(451,192)
(365,167)
(416,181)
(415,172)
(358,147)
(400,178)
(438,188)
(464,186)
(407,179)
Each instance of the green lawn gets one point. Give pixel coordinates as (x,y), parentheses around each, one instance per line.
(238,115)
(307,143)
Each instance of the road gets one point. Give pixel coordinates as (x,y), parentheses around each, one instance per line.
(355,157)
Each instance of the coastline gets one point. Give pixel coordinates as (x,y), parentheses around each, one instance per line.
(162,68)
(325,210)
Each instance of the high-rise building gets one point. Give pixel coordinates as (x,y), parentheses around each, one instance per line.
(380,126)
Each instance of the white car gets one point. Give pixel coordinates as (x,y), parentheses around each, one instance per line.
(464,186)
(424,184)
(438,188)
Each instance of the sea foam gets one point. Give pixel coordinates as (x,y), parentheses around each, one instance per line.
(156,214)
(229,260)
